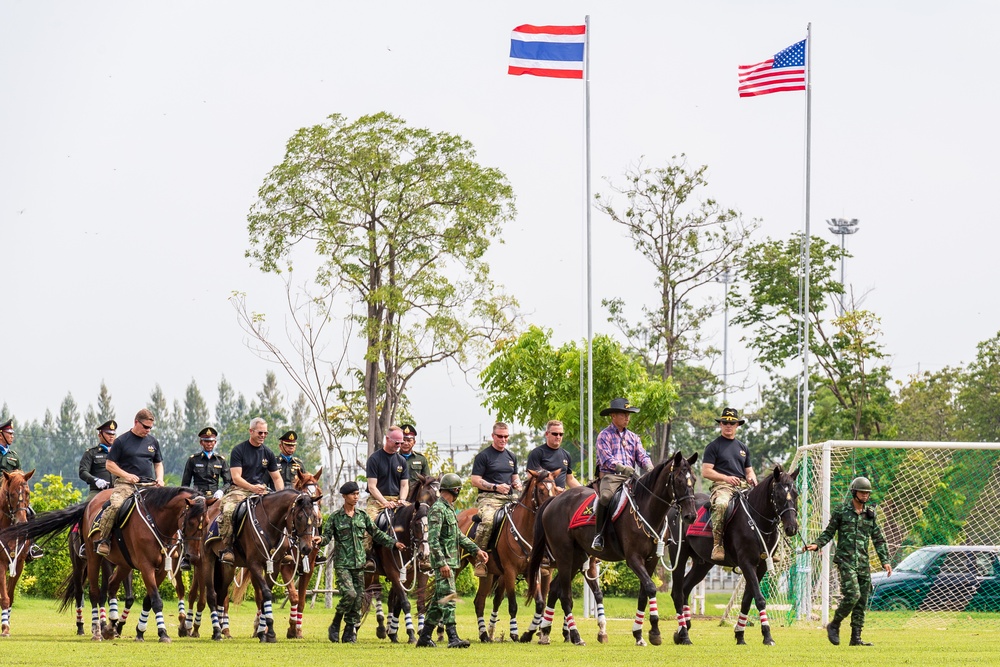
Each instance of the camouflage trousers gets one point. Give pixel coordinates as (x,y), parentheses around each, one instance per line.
(121,492)
(351,584)
(722,493)
(442,613)
(489,503)
(855,589)
(230,502)
(373,508)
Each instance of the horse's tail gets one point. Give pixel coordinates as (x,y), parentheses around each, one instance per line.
(46,523)
(538,549)
(240,589)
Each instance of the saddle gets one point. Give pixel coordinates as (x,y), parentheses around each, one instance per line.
(384,521)
(498,520)
(239,519)
(124,513)
(702,525)
(586,513)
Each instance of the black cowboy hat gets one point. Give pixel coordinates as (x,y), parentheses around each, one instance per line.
(730,416)
(619,405)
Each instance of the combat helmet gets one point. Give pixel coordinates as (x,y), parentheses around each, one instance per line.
(861,484)
(451,482)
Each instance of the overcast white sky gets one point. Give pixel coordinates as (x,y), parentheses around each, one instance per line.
(134,136)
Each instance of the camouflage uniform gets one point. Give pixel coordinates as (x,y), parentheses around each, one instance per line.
(853,530)
(444,539)
(347,534)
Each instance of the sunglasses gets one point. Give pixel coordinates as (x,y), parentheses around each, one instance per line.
(261,432)
(501,437)
(148,428)
(557,435)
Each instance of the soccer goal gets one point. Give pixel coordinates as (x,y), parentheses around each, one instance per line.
(938,504)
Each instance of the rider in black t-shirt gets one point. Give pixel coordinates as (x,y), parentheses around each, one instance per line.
(250,465)
(494,473)
(134,460)
(551,456)
(727,465)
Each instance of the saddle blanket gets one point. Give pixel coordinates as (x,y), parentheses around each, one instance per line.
(586,513)
(702,525)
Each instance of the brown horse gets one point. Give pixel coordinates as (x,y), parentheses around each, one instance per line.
(74,586)
(637,537)
(404,569)
(189,617)
(15,498)
(298,586)
(276,523)
(162,523)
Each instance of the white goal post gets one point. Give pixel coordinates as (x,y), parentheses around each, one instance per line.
(931,497)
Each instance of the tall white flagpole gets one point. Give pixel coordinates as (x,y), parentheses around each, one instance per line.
(588,601)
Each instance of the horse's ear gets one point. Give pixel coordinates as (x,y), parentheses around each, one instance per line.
(533,473)
(28,476)
(210,500)
(6,475)
(795,474)
(318,473)
(300,474)
(694,457)
(421,478)
(317,497)
(777,470)
(678,457)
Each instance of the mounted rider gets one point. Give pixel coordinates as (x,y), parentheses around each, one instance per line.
(207,471)
(388,480)
(619,455)
(135,461)
(93,464)
(726,464)
(9,462)
(494,473)
(288,463)
(551,456)
(417,463)
(250,465)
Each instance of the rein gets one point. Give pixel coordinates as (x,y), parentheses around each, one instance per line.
(659,535)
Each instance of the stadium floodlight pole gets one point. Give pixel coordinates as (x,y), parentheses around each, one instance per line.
(842,227)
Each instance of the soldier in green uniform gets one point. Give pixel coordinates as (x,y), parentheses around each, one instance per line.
(288,464)
(347,527)
(853,524)
(9,462)
(416,462)
(445,540)
(93,463)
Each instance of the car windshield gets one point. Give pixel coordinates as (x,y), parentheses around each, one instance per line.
(917,561)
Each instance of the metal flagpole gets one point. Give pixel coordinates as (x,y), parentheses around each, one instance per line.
(589,604)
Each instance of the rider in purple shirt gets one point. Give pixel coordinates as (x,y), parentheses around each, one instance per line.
(619,453)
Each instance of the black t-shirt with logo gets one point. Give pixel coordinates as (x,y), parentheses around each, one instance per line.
(136,455)
(256,462)
(389,470)
(495,467)
(730,457)
(544,457)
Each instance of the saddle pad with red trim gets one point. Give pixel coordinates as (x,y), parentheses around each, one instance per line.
(702,525)
(586,513)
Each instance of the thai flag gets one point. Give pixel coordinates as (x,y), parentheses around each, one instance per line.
(548,50)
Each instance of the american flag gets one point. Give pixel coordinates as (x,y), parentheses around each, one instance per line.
(548,50)
(786,71)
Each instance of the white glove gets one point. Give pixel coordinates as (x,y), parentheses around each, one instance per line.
(218,493)
(101,483)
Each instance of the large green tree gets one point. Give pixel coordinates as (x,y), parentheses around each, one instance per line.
(400,218)
(980,394)
(689,240)
(531,381)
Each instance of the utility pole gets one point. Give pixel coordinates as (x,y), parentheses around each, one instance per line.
(842,227)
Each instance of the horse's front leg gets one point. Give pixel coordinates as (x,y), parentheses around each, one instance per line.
(591,578)
(292,590)
(126,585)
(4,600)
(509,581)
(485,633)
(153,602)
(265,614)
(761,602)
(647,593)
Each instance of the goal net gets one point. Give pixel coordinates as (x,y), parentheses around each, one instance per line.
(938,504)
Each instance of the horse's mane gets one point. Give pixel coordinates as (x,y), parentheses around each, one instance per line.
(532,482)
(411,495)
(643,489)
(158,496)
(758,495)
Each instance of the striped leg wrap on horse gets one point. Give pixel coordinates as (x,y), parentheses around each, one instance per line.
(181,609)
(420,622)
(407,618)
(124,615)
(189,622)
(494,617)
(601,620)
(215,619)
(547,617)
(393,625)
(482,624)
(687,613)
(5,616)
(640,617)
(197,618)
(763,617)
(653,608)
(681,623)
(113,609)
(224,619)
(103,615)
(160,624)
(513,627)
(293,615)
(570,622)
(741,623)
(143,618)
(267,610)
(536,621)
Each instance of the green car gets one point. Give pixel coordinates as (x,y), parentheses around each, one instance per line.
(941,578)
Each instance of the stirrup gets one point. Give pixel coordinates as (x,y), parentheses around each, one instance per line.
(370,566)
(598,543)
(102,548)
(227,557)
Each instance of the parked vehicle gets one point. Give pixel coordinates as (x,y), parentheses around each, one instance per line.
(941,578)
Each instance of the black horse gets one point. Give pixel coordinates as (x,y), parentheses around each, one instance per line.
(750,539)
(633,538)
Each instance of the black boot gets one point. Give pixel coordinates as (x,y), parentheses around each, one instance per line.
(833,632)
(425,635)
(453,639)
(350,635)
(856,638)
(602,512)
(333,632)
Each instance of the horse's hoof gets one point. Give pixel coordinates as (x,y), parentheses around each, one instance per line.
(484,637)
(194,633)
(602,638)
(290,634)
(527,637)
(580,643)
(393,639)
(380,632)
(270,638)
(513,637)
(640,642)
(165,639)
(96,637)
(298,633)
(79,632)
(655,640)
(543,640)
(182,630)
(768,641)
(216,636)
(261,637)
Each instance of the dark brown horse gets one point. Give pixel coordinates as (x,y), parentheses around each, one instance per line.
(305,564)
(74,587)
(633,537)
(163,522)
(275,524)
(750,539)
(15,498)
(404,569)
(509,558)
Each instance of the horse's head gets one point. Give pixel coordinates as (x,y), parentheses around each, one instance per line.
(15,496)
(426,491)
(541,486)
(680,485)
(302,523)
(193,526)
(785,499)
(309,483)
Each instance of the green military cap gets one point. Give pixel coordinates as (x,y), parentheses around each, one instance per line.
(408,431)
(108,427)
(289,438)
(208,433)
(7,425)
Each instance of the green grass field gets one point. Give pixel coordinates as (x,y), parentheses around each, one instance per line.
(41,636)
